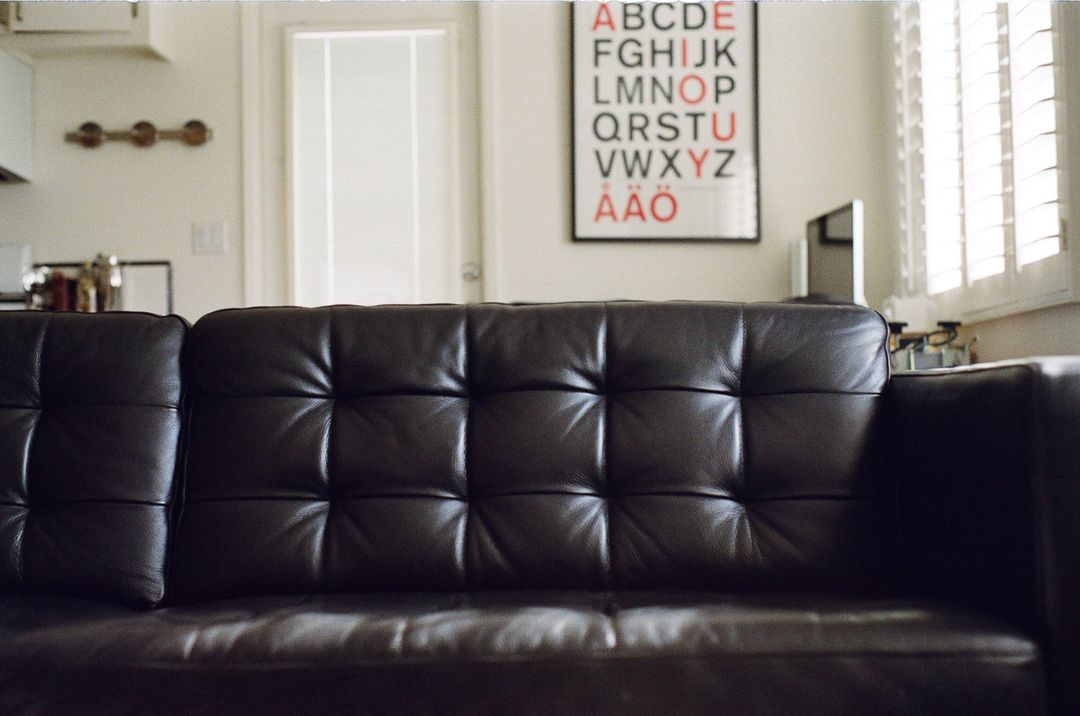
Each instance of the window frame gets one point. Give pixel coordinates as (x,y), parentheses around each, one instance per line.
(1046,282)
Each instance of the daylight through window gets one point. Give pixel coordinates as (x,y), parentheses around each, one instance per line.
(977,111)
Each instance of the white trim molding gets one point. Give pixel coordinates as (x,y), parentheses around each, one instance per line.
(251,81)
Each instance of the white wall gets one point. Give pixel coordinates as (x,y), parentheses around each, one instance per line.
(821,138)
(823,112)
(139,203)
(1049,331)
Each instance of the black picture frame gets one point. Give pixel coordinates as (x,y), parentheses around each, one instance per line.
(153,279)
(597,75)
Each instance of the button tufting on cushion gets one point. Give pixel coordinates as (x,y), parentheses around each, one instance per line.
(89,429)
(580,446)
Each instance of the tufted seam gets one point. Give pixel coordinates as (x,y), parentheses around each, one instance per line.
(644,529)
(465,345)
(745,493)
(179,474)
(328,449)
(21,537)
(605,425)
(94,405)
(88,501)
(553,388)
(324,547)
(21,562)
(31,433)
(178,493)
(585,660)
(506,565)
(41,363)
(319,500)
(17,552)
(755,544)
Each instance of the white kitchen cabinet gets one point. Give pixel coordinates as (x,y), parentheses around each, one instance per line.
(51,28)
(72,16)
(16,119)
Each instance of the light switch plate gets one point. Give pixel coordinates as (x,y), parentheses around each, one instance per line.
(209,238)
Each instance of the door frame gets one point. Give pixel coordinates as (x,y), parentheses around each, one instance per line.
(251,155)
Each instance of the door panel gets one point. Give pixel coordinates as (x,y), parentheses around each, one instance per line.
(390,120)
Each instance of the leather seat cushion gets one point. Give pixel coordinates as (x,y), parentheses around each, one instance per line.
(578,652)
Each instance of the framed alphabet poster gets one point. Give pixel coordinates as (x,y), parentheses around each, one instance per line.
(665,131)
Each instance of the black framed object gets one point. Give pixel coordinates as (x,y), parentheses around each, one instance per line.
(147,286)
(665,124)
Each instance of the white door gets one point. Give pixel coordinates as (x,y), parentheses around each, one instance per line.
(368,153)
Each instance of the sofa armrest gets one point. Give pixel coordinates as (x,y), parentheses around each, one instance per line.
(988,496)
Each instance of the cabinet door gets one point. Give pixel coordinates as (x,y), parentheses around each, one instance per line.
(16,120)
(72,16)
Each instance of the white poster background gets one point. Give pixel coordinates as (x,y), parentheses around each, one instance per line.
(628,58)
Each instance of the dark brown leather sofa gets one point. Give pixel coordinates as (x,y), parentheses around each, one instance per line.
(677,508)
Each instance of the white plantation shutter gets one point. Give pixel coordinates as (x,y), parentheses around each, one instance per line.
(1037,211)
(977,124)
(909,140)
(942,175)
(983,140)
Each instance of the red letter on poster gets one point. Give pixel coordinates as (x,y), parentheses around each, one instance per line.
(603,18)
(716,128)
(721,20)
(698,161)
(605,208)
(684,96)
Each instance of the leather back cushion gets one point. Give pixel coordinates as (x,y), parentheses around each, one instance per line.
(89,430)
(627,445)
